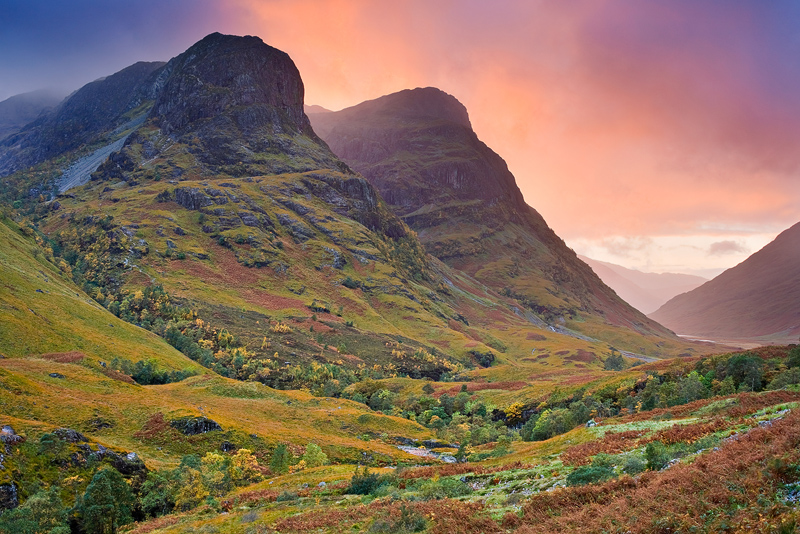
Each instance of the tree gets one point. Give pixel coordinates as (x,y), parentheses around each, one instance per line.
(191,490)
(615,362)
(794,357)
(281,459)
(216,471)
(42,513)
(314,457)
(157,496)
(106,504)
(244,467)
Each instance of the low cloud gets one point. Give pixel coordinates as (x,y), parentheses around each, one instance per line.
(721,248)
(626,247)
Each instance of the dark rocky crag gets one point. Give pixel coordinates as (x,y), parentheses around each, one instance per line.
(418,148)
(241,101)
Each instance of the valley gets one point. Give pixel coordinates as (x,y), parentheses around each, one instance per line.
(221,314)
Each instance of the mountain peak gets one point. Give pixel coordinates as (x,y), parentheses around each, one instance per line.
(419,103)
(223,72)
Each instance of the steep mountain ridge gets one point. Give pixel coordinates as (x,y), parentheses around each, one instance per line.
(94,110)
(417,147)
(226,198)
(756,300)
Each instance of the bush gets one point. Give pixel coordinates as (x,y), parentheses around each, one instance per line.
(365,483)
(657,455)
(589,474)
(287,496)
(634,464)
(786,378)
(314,457)
(445,488)
(409,521)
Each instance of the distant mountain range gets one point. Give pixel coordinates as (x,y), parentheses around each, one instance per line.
(756,301)
(644,291)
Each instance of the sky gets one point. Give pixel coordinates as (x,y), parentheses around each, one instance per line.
(658,135)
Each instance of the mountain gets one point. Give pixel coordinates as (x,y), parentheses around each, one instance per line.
(19,110)
(208,322)
(418,149)
(755,301)
(206,181)
(97,108)
(644,291)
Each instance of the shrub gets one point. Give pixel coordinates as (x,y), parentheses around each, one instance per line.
(786,378)
(287,496)
(409,521)
(445,488)
(656,455)
(589,474)
(365,483)
(634,464)
(314,457)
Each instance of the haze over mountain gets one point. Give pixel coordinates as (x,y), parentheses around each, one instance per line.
(644,291)
(419,150)
(19,110)
(755,301)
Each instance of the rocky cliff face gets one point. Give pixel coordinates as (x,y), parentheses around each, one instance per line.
(240,102)
(418,148)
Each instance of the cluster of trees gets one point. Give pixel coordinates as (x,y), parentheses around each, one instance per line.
(109,501)
(459,418)
(147,372)
(107,504)
(718,375)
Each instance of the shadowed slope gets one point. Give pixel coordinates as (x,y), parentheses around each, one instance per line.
(759,299)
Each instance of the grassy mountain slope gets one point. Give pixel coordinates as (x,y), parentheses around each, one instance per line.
(227,227)
(755,301)
(44,312)
(417,147)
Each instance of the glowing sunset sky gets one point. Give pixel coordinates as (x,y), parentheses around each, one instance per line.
(656,135)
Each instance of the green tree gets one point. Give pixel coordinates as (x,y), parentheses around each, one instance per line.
(656,455)
(615,362)
(794,357)
(691,388)
(42,513)
(157,495)
(314,457)
(106,504)
(281,459)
